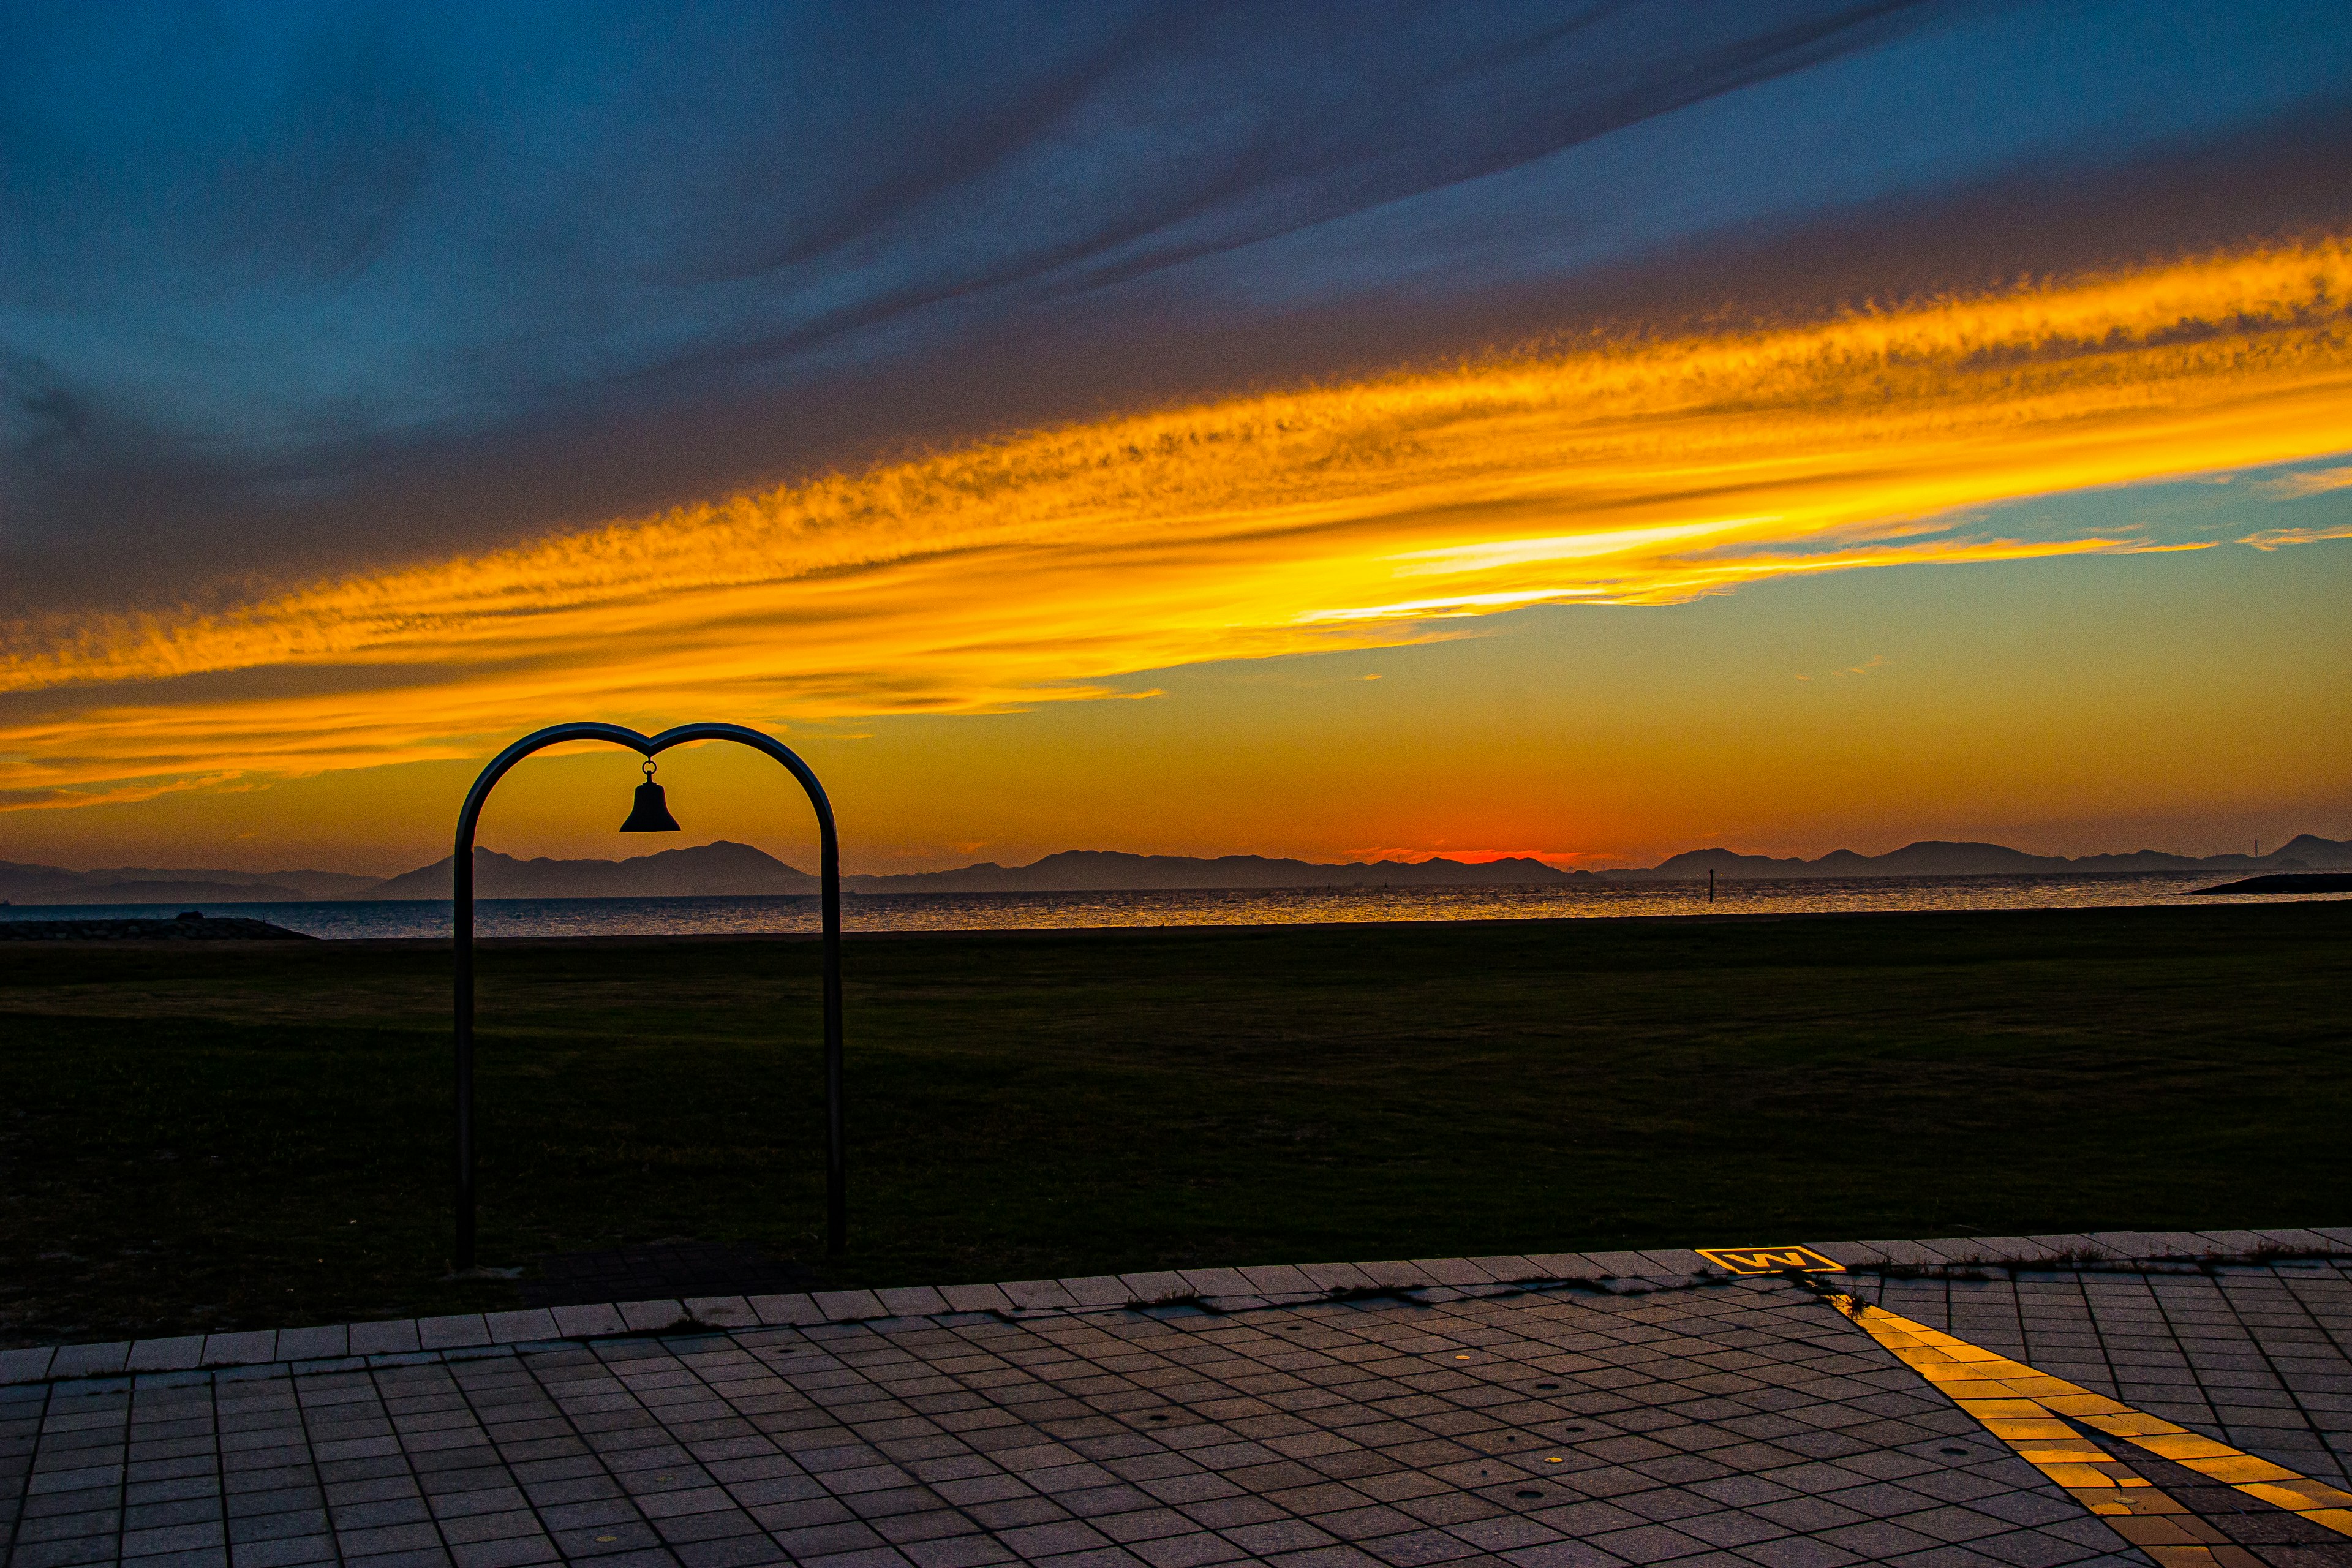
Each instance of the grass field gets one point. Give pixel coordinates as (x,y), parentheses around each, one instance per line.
(228,1135)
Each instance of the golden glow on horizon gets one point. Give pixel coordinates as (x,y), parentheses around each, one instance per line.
(1041,566)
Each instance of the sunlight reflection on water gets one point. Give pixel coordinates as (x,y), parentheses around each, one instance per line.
(1252,905)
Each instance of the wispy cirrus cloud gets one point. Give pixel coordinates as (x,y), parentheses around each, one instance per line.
(2311,482)
(2274,538)
(2301,487)
(1008,573)
(126,794)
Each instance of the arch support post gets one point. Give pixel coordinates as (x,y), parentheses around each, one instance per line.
(836,1180)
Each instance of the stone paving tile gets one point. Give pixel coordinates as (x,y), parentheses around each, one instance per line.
(1735,1422)
(2257,1357)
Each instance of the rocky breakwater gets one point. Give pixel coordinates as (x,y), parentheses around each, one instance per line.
(2319,882)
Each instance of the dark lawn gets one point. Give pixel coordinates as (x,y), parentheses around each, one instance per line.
(224,1135)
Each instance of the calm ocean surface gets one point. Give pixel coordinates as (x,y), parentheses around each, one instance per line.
(1287,906)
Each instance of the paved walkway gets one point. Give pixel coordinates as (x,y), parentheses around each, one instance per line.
(1648,1413)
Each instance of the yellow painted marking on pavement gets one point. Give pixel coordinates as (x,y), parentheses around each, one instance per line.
(2021,1406)
(1770,1259)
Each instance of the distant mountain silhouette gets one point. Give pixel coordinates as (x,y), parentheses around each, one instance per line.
(724,868)
(2315,851)
(711,870)
(1935,858)
(1094,871)
(21,884)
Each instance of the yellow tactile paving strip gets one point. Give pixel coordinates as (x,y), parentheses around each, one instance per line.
(2023,1408)
(1770,1259)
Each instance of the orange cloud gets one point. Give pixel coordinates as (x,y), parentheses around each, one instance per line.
(53,799)
(1041,566)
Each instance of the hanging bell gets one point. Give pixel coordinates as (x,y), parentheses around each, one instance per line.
(651,812)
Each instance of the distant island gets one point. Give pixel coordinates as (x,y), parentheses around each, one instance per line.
(736,869)
(146,885)
(713,871)
(724,869)
(1934,857)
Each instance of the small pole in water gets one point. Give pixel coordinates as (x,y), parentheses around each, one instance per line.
(1710,884)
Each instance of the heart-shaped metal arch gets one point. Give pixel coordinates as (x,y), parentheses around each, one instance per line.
(829,879)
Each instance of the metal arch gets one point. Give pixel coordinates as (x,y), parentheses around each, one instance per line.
(829,877)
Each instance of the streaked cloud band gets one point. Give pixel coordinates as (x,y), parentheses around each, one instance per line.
(1049,565)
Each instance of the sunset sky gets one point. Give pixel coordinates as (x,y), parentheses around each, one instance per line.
(1581,430)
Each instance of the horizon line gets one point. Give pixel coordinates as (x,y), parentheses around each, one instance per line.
(1396,858)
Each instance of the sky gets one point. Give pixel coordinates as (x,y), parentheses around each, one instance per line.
(1584,430)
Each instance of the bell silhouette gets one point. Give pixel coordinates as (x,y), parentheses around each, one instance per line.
(651,812)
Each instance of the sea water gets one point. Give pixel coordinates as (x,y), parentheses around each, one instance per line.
(1252,905)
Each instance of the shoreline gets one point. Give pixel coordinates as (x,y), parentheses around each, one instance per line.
(1238,928)
(1637,885)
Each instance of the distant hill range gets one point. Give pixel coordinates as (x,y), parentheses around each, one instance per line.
(1934,857)
(734,868)
(712,870)
(724,868)
(1105,870)
(146,885)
